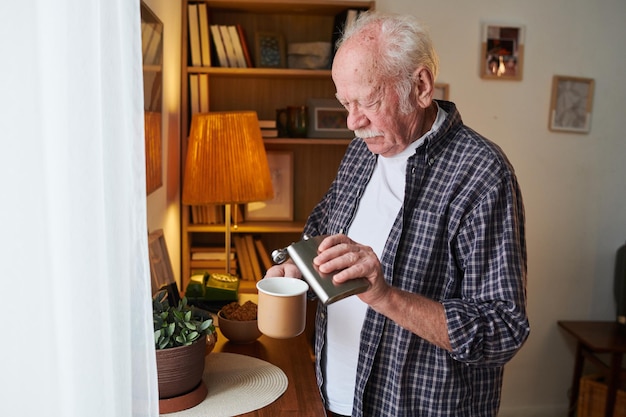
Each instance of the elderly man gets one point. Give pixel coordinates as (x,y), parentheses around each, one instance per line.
(431,214)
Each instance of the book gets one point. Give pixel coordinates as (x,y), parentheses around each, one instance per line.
(228,46)
(237,214)
(267,124)
(210,214)
(210,253)
(264,256)
(244,46)
(219,46)
(203,90)
(234,38)
(243,261)
(215,265)
(254,259)
(194,94)
(269,133)
(194,36)
(205,42)
(302,254)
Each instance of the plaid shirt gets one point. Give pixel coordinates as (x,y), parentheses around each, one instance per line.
(459,238)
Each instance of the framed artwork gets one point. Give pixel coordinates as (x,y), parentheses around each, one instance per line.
(442,91)
(327,119)
(281,206)
(161,272)
(270,50)
(502,52)
(571,104)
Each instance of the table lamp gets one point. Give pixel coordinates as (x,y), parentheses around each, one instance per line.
(226,164)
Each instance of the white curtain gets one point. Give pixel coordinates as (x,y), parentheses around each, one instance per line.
(75,322)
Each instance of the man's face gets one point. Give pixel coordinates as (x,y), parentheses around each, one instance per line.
(371,102)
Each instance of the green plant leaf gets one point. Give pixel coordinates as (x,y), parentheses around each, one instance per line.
(205,325)
(164,342)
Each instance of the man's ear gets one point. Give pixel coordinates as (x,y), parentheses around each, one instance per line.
(424,87)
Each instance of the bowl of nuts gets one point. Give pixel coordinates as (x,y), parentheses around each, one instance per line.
(238,323)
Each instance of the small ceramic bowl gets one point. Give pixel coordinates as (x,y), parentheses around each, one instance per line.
(237,331)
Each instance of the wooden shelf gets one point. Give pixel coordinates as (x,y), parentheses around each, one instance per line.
(261,72)
(250,227)
(264,90)
(307,141)
(307,7)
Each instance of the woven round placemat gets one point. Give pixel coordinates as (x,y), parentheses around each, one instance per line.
(237,384)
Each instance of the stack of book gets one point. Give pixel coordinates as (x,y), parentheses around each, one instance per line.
(212,259)
(230,46)
(210,214)
(229,41)
(268,128)
(253,260)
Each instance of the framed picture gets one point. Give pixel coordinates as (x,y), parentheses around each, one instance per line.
(327,119)
(270,50)
(502,52)
(442,91)
(161,272)
(571,104)
(281,206)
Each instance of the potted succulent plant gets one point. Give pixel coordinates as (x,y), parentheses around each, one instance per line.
(180,337)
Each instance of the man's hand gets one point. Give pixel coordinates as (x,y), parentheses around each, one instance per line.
(340,253)
(286,269)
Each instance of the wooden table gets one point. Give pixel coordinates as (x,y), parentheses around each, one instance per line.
(593,338)
(293,356)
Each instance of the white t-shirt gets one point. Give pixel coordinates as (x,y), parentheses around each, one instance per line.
(376,213)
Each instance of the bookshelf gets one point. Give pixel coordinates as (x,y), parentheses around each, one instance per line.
(264,90)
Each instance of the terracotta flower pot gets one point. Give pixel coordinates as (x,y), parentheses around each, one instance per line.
(180,369)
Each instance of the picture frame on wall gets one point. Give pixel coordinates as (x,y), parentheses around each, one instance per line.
(571,104)
(269,50)
(161,271)
(327,119)
(280,208)
(502,52)
(442,91)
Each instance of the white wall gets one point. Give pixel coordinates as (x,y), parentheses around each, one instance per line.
(574,186)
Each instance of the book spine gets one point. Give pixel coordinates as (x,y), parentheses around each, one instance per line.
(194,35)
(266,262)
(219,46)
(245,269)
(205,43)
(204,92)
(254,259)
(228,45)
(244,46)
(194,91)
(234,38)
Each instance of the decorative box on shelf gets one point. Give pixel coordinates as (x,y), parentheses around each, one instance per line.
(592,398)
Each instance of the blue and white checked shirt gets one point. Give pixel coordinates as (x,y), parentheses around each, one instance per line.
(459,239)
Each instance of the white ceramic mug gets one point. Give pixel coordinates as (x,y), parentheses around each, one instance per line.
(282,307)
